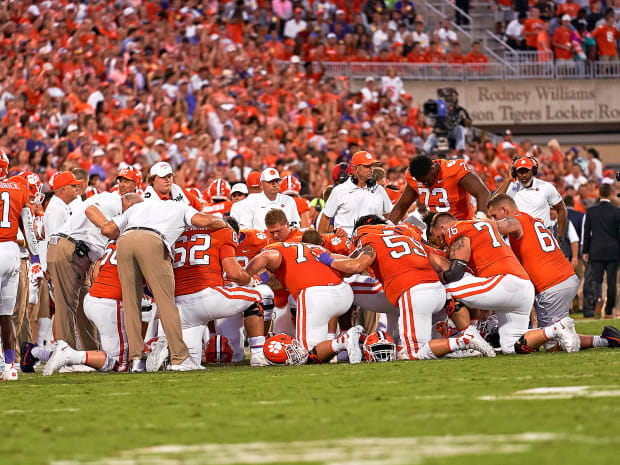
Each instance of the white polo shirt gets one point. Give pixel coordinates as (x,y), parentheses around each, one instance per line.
(176,192)
(168,217)
(536,200)
(56,215)
(256,206)
(348,202)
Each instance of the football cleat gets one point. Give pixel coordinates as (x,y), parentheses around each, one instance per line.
(137,366)
(58,359)
(379,347)
(27,360)
(567,337)
(158,356)
(475,341)
(352,342)
(612,334)
(218,350)
(257,359)
(186,365)
(282,349)
(9,373)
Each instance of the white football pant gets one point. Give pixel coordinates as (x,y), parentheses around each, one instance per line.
(9,276)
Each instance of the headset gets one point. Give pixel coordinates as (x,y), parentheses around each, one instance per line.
(343,174)
(370,183)
(534,168)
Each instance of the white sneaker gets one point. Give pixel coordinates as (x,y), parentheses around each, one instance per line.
(476,342)
(9,373)
(466,353)
(137,366)
(352,341)
(157,357)
(566,336)
(58,359)
(257,359)
(186,365)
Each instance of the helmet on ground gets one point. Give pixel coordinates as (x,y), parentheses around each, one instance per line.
(379,347)
(282,349)
(218,350)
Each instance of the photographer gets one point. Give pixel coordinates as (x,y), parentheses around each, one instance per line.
(448,120)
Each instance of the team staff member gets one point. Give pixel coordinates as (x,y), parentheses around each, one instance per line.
(535,196)
(162,187)
(256,206)
(358,196)
(442,186)
(149,231)
(555,282)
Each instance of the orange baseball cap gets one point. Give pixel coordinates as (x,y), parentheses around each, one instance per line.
(131,174)
(253,179)
(525,162)
(65,178)
(363,158)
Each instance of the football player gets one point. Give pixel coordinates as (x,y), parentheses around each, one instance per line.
(320,292)
(15,194)
(495,281)
(408,271)
(554,279)
(442,186)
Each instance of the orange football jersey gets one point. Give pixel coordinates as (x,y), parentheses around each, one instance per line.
(197,259)
(300,269)
(13,197)
(490,255)
(223,208)
(337,244)
(540,255)
(401,263)
(251,242)
(302,205)
(107,285)
(445,195)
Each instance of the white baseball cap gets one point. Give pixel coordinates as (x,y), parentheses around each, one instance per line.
(565,17)
(270,174)
(239,187)
(160,142)
(161,169)
(177,136)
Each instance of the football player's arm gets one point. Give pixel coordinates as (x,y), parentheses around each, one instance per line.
(510,227)
(324,224)
(204,220)
(402,206)
(235,272)
(27,221)
(438,263)
(474,185)
(560,207)
(460,251)
(366,257)
(269,259)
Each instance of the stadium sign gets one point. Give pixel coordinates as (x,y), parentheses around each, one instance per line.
(513,103)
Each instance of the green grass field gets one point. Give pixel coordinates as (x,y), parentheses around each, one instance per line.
(470,410)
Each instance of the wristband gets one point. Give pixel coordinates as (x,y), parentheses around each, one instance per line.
(34,259)
(326,259)
(264,277)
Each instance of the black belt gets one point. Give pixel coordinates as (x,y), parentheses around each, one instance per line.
(140,228)
(64,236)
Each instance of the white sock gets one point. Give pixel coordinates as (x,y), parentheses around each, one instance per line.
(44,332)
(78,357)
(457,343)
(339,344)
(41,354)
(550,331)
(256,344)
(598,341)
(331,336)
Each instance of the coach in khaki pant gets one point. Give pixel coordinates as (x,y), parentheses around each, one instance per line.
(149,230)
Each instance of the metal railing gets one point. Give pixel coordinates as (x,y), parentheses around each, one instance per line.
(442,15)
(517,69)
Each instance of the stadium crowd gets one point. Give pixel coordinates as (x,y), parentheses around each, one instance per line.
(126,96)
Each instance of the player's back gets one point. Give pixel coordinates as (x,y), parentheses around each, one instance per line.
(13,197)
(539,254)
(490,255)
(401,263)
(446,195)
(197,259)
(337,244)
(107,284)
(300,269)
(250,243)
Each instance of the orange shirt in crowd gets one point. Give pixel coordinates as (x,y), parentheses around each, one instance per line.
(606,40)
(532,25)
(562,35)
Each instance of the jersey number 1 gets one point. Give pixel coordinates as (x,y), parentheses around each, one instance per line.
(5,198)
